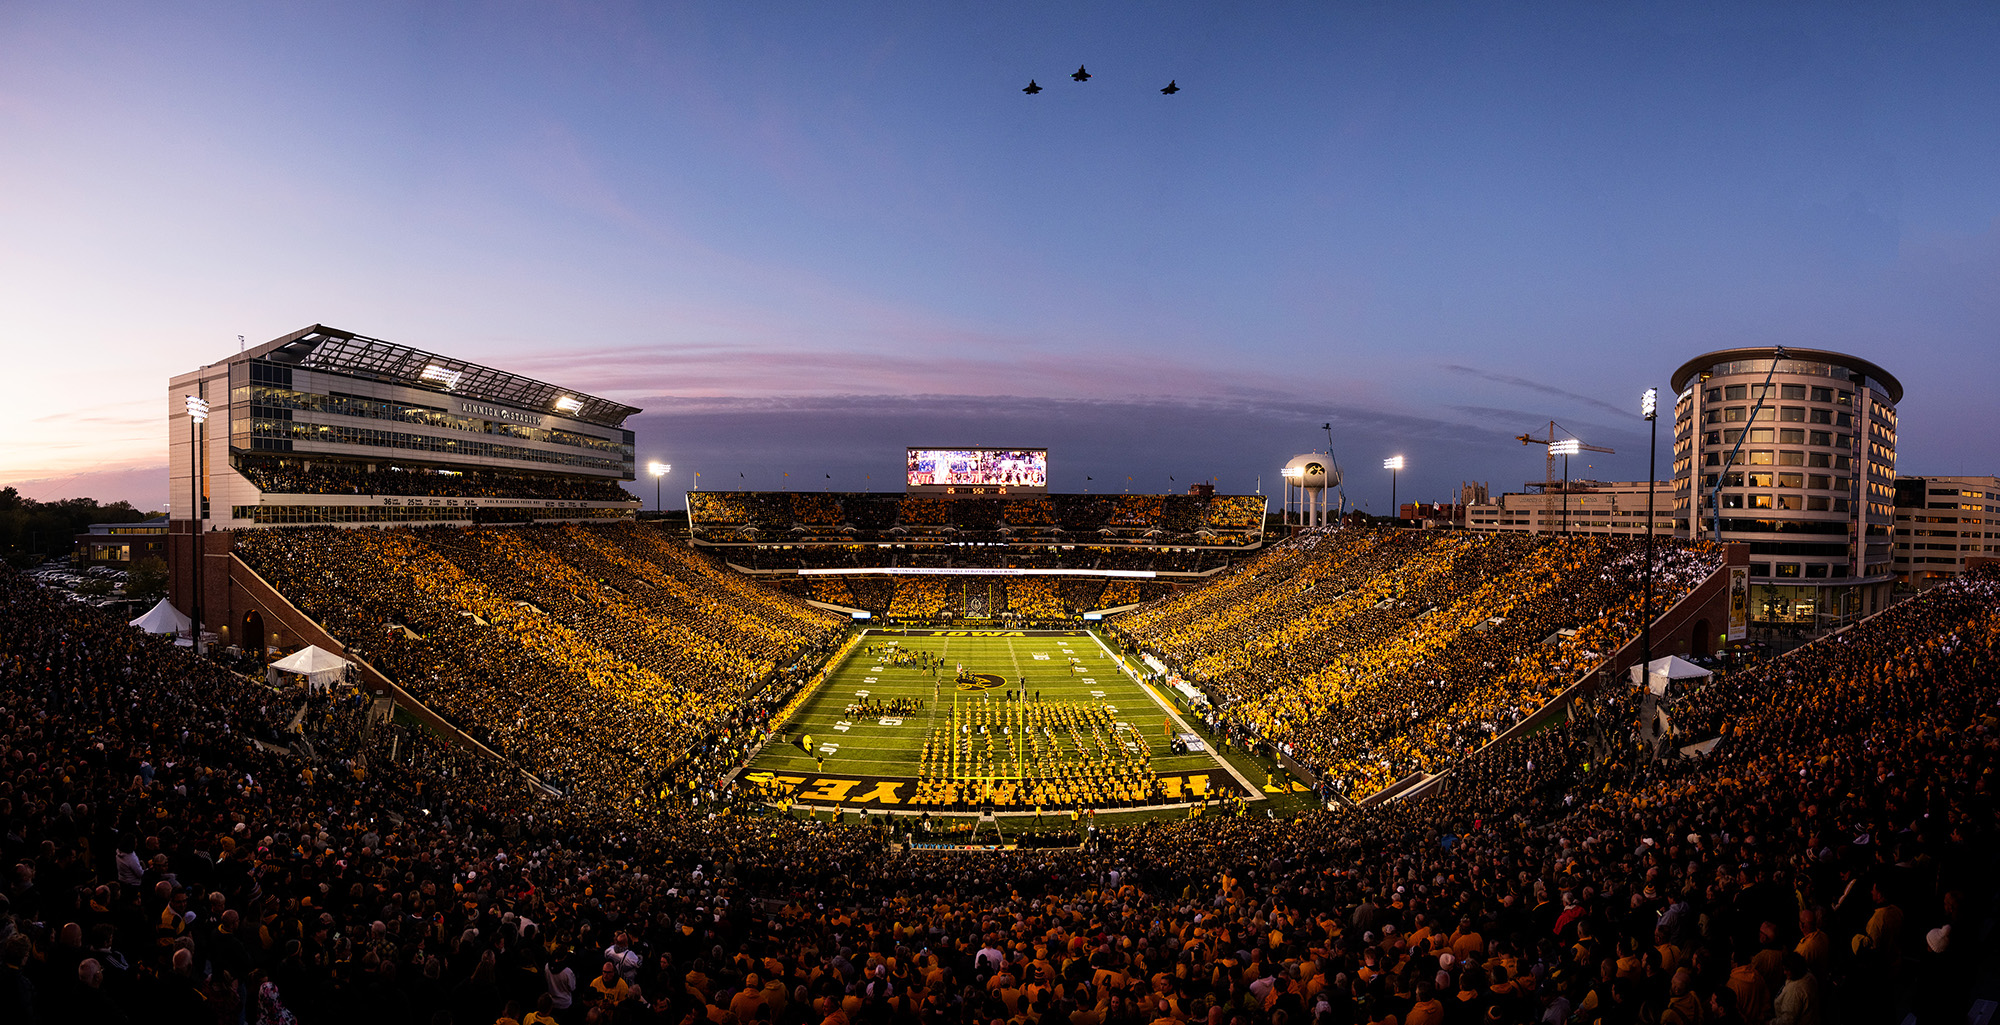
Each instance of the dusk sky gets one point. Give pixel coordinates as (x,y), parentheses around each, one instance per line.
(804,236)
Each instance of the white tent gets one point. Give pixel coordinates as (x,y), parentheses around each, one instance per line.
(318,666)
(163,619)
(1662,671)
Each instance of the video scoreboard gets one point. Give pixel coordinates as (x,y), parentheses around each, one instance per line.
(978,471)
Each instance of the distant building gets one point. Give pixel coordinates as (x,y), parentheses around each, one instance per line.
(1943,526)
(1799,461)
(122,544)
(1617,507)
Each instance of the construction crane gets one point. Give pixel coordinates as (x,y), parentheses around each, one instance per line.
(1549,480)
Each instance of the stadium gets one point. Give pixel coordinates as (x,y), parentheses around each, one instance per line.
(452,731)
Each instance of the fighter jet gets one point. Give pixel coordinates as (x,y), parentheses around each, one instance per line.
(1080,74)
(1171,89)
(1032,88)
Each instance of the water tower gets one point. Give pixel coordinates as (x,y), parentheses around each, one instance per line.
(1314,478)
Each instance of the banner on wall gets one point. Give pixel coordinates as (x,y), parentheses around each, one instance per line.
(1739,602)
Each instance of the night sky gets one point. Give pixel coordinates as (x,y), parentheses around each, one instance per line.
(804,236)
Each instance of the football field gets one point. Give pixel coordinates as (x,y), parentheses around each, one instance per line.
(950,720)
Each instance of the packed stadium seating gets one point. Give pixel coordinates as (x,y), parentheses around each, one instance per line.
(1372,655)
(171,860)
(602,657)
(754,517)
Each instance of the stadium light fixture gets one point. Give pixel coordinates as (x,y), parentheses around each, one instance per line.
(1565,448)
(1393,464)
(445,376)
(658,470)
(1649,405)
(197,410)
(570,404)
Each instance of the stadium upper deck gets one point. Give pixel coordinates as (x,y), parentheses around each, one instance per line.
(327,426)
(764,518)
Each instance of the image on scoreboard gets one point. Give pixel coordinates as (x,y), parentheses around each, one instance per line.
(979,467)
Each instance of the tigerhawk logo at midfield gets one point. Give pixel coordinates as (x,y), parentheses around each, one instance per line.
(981,681)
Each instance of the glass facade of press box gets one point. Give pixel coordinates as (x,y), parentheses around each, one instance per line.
(272,515)
(276,408)
(1796,457)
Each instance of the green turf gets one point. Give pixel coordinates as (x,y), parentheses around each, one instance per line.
(882,746)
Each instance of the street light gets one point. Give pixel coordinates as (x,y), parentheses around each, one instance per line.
(197,410)
(1565,448)
(1392,464)
(1649,408)
(658,470)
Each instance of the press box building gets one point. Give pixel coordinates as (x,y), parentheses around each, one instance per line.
(327,427)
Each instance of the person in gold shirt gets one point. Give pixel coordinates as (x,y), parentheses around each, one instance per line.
(611,989)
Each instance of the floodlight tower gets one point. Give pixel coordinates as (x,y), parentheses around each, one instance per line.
(1565,448)
(658,470)
(197,409)
(1649,408)
(1393,464)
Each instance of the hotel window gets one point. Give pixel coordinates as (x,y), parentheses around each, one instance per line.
(1732,501)
(1760,480)
(1820,459)
(1791,480)
(1822,394)
(1816,503)
(1735,391)
(1762,435)
(1759,457)
(1821,438)
(1712,438)
(1733,479)
(1792,436)
(1822,416)
(1816,570)
(1793,414)
(1845,398)
(1734,414)
(1712,395)
(1792,391)
(1713,459)
(1817,481)
(1840,505)
(1792,503)
(1766,413)
(1791,459)
(1760,501)
(1760,569)
(1788,569)
(1732,436)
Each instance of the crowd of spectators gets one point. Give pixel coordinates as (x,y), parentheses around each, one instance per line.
(1829,862)
(739,517)
(607,658)
(1371,655)
(948,556)
(938,598)
(297,476)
